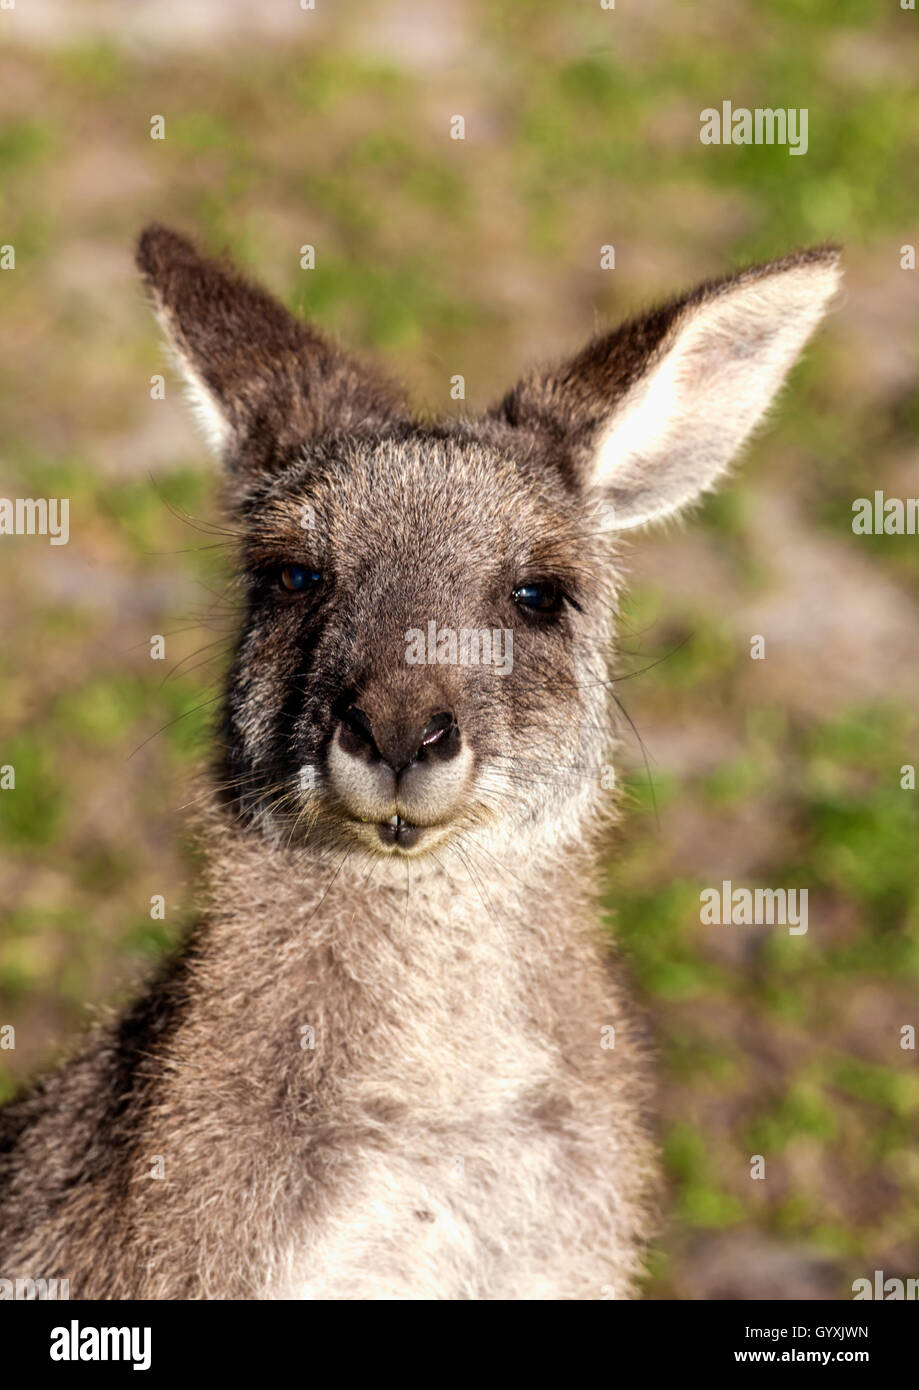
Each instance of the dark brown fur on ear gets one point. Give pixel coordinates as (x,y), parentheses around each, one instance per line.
(264,381)
(570,403)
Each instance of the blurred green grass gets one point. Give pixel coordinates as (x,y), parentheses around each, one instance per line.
(460,256)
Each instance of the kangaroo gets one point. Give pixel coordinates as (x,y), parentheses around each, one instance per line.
(394,1057)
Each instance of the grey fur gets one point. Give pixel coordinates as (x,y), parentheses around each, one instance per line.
(452,1127)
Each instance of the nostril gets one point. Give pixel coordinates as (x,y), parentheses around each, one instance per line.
(356,720)
(397,742)
(437,729)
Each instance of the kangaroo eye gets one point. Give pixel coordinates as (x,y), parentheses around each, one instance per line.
(298,578)
(544,597)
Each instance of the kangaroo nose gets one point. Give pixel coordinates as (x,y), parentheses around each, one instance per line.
(398,745)
(397,766)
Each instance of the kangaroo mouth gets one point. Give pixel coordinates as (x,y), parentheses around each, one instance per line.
(395,834)
(399,833)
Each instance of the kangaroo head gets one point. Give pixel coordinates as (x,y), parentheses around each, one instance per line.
(429,608)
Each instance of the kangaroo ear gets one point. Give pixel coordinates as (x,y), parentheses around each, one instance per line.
(648,417)
(259,380)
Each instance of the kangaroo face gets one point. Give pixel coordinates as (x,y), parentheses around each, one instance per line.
(416,658)
(423,656)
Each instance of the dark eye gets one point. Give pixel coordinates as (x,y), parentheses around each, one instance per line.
(543,597)
(297,579)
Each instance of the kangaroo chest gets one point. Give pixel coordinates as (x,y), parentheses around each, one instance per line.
(458,1179)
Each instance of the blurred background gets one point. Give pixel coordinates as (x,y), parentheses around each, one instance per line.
(330,127)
